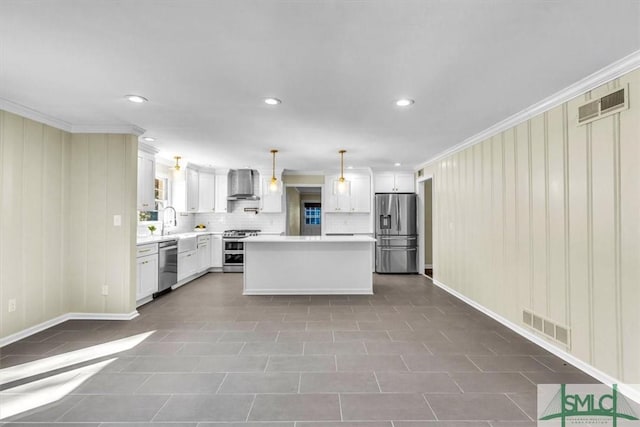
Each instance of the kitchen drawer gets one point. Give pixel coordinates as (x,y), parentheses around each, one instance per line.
(148,249)
(205,238)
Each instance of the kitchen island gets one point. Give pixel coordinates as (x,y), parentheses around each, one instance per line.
(308,265)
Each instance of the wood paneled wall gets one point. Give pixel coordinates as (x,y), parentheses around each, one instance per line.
(58,245)
(546,216)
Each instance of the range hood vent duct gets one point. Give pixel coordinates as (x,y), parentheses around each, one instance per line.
(241,184)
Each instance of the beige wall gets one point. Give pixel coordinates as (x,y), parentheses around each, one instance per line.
(303,179)
(546,216)
(102,184)
(58,192)
(428,226)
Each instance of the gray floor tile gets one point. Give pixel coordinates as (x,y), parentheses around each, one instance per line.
(301,364)
(286,347)
(256,424)
(181,383)
(269,382)
(439,363)
(559,378)
(248,336)
(155,349)
(364,336)
(151,424)
(346,347)
(229,326)
(112,383)
(333,325)
(206,408)
(231,364)
(556,364)
(48,413)
(493,382)
(306,336)
(416,382)
(475,406)
(56,425)
(340,382)
(396,348)
(298,407)
(441,424)
(144,364)
(384,325)
(507,363)
(193,336)
(210,349)
(116,408)
(527,402)
(370,363)
(385,406)
(344,424)
(271,326)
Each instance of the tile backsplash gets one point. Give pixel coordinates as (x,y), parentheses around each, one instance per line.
(347,223)
(238,219)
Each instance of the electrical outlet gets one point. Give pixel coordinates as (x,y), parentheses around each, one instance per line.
(105,290)
(117,220)
(12,305)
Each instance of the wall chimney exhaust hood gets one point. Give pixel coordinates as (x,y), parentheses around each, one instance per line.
(241,184)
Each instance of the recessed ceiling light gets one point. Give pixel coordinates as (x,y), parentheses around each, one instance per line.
(272,101)
(148,139)
(397,164)
(349,167)
(136,98)
(404,102)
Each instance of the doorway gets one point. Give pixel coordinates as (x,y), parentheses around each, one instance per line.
(428,226)
(304,211)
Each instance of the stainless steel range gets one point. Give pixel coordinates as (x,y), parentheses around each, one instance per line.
(233,249)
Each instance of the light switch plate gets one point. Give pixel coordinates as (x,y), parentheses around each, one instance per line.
(105,290)
(117,220)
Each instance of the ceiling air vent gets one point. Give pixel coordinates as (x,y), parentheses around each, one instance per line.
(607,105)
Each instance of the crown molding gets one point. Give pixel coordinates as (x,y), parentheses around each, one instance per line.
(613,71)
(28,113)
(147,148)
(117,129)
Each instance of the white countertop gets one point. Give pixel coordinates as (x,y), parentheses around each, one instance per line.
(157,238)
(308,239)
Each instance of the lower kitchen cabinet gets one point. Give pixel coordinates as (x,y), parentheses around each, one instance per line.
(216,251)
(187,264)
(204,253)
(147,276)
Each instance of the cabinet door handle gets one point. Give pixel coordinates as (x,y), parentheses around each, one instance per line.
(144,250)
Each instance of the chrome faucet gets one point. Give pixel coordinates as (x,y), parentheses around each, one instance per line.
(174,222)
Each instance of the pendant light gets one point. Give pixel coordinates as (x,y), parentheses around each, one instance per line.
(343,184)
(177,165)
(273,185)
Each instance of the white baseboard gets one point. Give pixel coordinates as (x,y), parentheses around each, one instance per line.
(63,318)
(628,391)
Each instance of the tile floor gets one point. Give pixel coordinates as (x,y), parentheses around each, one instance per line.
(409,356)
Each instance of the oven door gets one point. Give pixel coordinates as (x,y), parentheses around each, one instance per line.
(233,256)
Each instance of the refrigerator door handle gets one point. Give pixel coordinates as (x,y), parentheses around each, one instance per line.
(397,238)
(397,215)
(399,249)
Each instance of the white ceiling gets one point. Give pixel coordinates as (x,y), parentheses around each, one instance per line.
(338,66)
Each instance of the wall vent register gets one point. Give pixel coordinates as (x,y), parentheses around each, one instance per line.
(545,326)
(604,106)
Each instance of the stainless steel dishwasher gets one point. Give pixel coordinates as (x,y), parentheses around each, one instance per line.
(167,266)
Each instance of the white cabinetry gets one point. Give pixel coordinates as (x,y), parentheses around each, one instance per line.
(216,251)
(146,181)
(270,201)
(146,271)
(185,190)
(389,182)
(187,264)
(357,199)
(206,192)
(221,191)
(204,253)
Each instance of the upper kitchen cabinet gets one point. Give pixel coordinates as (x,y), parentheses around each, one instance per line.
(185,190)
(206,192)
(390,182)
(221,191)
(146,179)
(356,199)
(270,201)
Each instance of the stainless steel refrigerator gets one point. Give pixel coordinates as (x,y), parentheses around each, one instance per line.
(396,233)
